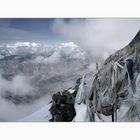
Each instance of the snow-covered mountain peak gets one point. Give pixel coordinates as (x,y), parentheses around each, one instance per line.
(68,50)
(23,44)
(25,47)
(68,45)
(37,48)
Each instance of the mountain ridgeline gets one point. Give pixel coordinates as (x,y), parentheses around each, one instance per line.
(116,85)
(115,91)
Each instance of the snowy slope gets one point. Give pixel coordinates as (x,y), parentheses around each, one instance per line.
(42,115)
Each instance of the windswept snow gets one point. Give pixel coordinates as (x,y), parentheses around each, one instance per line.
(81,108)
(81,113)
(80,97)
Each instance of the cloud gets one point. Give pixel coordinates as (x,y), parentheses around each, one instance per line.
(71,50)
(19,85)
(100,36)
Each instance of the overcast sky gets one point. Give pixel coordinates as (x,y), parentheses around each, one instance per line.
(96,34)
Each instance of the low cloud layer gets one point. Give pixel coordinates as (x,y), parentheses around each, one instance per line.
(101,36)
(18,85)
